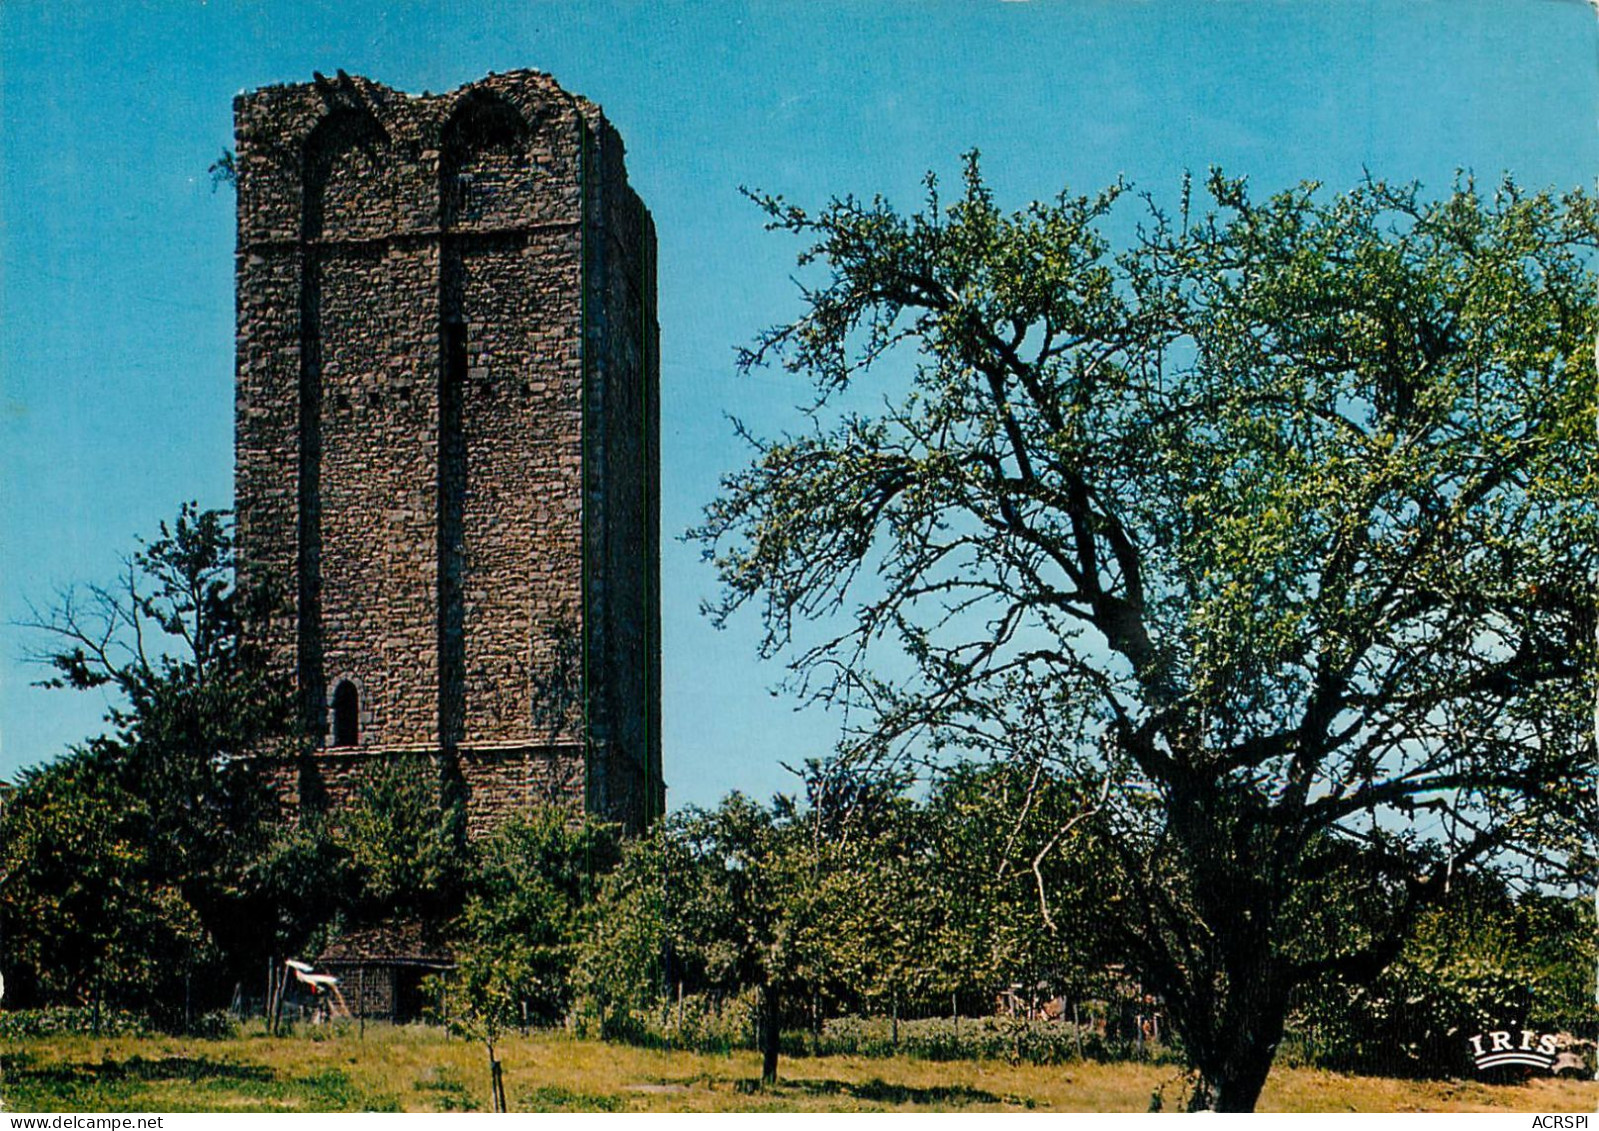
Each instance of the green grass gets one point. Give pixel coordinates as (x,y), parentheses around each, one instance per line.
(34,1080)
(419,1069)
(445,1091)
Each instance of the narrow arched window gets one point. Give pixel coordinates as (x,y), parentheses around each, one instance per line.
(346,714)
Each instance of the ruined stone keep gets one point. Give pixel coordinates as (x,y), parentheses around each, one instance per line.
(447,460)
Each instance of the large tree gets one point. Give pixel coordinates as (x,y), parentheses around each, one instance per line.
(722,901)
(1276,529)
(87,917)
(194,713)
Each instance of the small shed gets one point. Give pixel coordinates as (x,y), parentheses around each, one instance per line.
(380,969)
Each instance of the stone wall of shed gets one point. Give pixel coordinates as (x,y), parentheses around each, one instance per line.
(368,988)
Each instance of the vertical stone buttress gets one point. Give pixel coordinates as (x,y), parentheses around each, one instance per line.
(447,419)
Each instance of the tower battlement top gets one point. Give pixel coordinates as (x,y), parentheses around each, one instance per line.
(343,89)
(404,157)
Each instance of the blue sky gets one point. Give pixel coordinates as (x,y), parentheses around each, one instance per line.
(116,258)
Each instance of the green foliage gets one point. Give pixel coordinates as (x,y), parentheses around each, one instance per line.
(712,1023)
(619,978)
(693,901)
(395,851)
(213,1025)
(224,171)
(91,917)
(1010,1039)
(405,844)
(518,937)
(869,918)
(532,894)
(1020,872)
(862,900)
(303,883)
(59,1021)
(788,906)
(1274,531)
(131,862)
(1483,960)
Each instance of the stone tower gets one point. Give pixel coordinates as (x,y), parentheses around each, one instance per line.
(447,462)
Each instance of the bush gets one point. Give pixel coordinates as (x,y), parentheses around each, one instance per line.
(217,1025)
(703,1023)
(21,1024)
(1486,961)
(1414,1022)
(978,1038)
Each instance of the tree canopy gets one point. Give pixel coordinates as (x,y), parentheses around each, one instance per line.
(1275,529)
(185,840)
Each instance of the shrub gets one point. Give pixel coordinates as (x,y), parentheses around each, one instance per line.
(979,1038)
(21,1024)
(217,1025)
(1486,961)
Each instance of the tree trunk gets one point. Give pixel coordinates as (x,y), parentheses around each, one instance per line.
(1232,1088)
(1233,1071)
(770,1034)
(496,1082)
(277,1001)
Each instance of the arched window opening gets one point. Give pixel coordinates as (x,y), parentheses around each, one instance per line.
(484,163)
(346,714)
(348,161)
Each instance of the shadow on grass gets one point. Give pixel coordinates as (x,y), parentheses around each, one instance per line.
(882,1092)
(190,1068)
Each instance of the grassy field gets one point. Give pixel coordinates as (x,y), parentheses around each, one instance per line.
(416,1069)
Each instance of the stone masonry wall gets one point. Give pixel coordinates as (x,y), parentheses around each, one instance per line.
(624,491)
(446,433)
